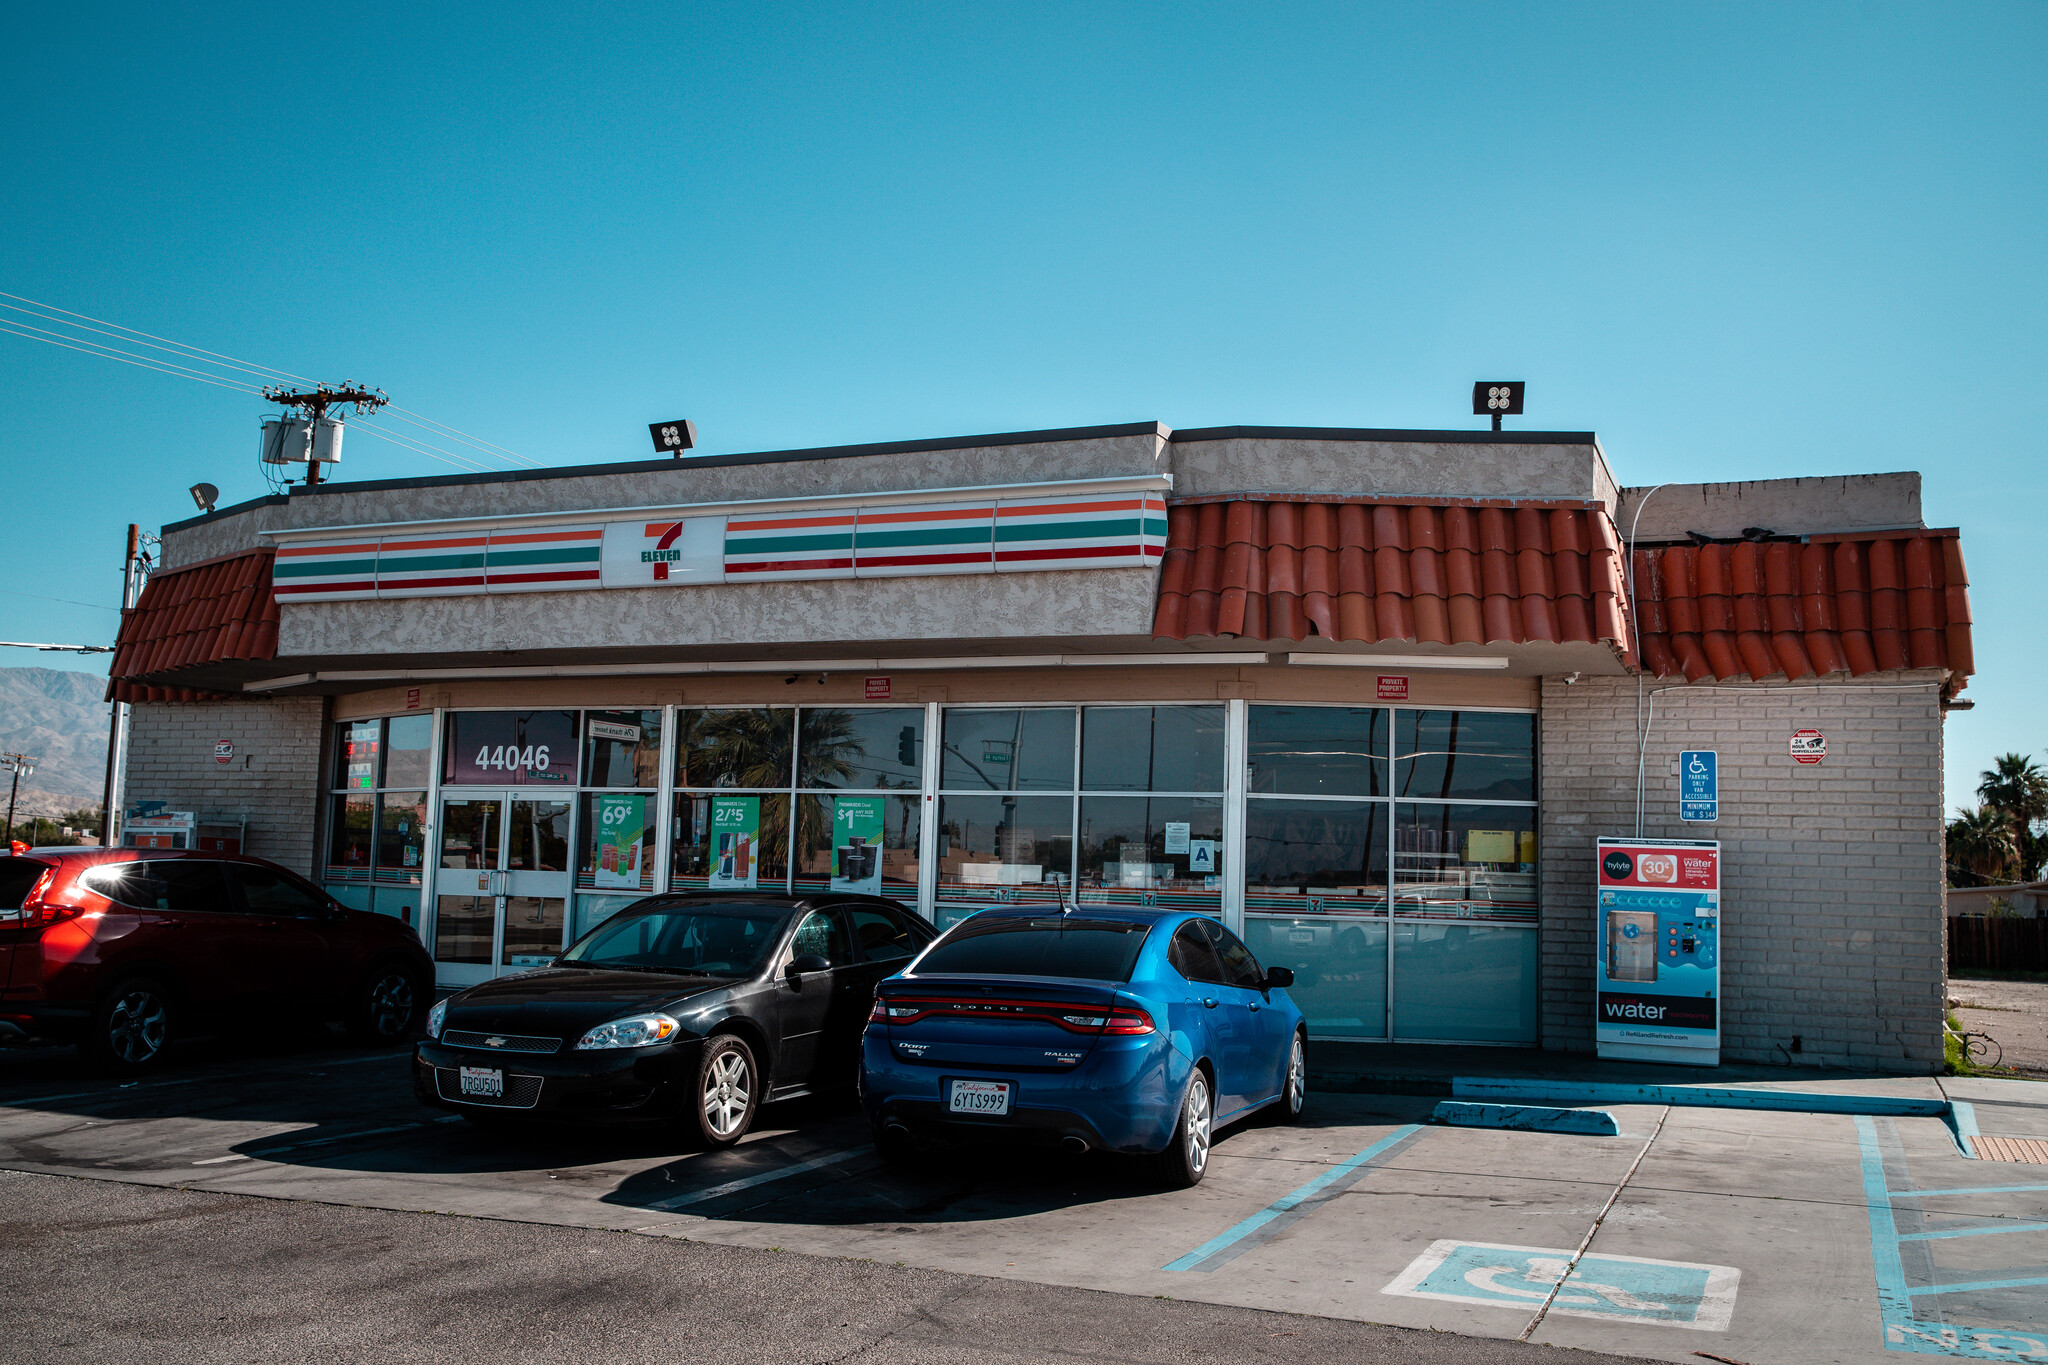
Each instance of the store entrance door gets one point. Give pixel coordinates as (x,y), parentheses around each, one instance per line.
(502,884)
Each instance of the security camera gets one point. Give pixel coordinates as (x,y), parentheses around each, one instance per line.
(1571,677)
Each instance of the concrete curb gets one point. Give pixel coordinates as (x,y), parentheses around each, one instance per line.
(1695,1096)
(1526,1118)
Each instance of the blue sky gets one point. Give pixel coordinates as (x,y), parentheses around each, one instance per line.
(1737,241)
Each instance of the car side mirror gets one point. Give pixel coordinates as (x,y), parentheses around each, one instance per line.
(804,963)
(1279,978)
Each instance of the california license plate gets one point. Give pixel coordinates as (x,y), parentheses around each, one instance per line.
(979,1097)
(485,1081)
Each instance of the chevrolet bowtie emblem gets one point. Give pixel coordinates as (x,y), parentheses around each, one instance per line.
(494,1042)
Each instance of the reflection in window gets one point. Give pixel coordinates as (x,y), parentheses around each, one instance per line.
(348,846)
(818,836)
(1024,750)
(1480,755)
(355,754)
(1152,748)
(1466,862)
(1336,847)
(692,850)
(409,751)
(861,750)
(997,848)
(734,747)
(621,748)
(1317,750)
(401,836)
(1161,843)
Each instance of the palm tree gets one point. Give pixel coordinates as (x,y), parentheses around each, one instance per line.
(2017,791)
(1981,848)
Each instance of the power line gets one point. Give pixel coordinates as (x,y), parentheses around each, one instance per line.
(407,415)
(72,601)
(79,326)
(102,321)
(115,350)
(407,443)
(147,365)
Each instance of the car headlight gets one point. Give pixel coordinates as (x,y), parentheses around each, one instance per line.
(641,1030)
(436,1017)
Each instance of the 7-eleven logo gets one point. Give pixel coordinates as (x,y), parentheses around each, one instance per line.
(664,552)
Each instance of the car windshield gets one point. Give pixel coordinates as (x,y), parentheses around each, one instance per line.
(1065,945)
(727,941)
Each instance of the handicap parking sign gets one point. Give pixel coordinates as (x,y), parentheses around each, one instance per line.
(1614,1288)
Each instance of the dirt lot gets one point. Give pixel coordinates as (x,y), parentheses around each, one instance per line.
(2013,1012)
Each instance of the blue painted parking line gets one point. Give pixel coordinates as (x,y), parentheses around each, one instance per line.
(1904,1329)
(1973,1232)
(1267,1221)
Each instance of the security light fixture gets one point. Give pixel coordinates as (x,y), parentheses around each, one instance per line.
(204,495)
(673,438)
(1498,398)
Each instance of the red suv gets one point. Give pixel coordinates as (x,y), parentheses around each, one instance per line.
(120,950)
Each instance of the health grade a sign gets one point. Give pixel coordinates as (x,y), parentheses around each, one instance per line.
(1659,904)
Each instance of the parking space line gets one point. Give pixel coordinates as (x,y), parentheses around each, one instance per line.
(1974,1232)
(133,1087)
(1356,1168)
(1974,1285)
(748,1182)
(1986,1189)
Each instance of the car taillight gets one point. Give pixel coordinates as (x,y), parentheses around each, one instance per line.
(1128,1021)
(37,912)
(880,1013)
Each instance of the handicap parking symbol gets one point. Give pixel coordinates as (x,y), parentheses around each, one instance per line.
(1615,1288)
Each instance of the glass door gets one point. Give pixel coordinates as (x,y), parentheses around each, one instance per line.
(502,886)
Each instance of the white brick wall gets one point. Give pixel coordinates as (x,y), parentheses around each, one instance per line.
(273,780)
(1832,927)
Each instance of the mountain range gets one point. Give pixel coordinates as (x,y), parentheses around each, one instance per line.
(57,715)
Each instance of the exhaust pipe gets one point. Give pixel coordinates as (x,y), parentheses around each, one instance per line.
(1070,1143)
(896,1128)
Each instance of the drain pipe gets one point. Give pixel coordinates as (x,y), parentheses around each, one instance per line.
(1635,621)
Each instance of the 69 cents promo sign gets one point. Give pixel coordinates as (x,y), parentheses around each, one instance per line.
(511,749)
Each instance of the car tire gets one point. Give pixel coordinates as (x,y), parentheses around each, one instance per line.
(1294,1094)
(727,1093)
(130,1027)
(1186,1158)
(389,1005)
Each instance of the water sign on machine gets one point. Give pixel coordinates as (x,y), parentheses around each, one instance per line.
(1660,968)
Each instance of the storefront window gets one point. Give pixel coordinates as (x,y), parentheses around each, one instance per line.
(861,750)
(1317,750)
(408,751)
(1015,751)
(622,748)
(739,747)
(736,842)
(510,749)
(616,848)
(1330,848)
(1478,755)
(401,836)
(1152,749)
(376,828)
(350,840)
(996,850)
(1152,844)
(1466,862)
(858,843)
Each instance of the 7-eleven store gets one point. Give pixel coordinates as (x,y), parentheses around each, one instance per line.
(1300,680)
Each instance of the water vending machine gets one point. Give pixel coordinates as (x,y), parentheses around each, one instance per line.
(1659,996)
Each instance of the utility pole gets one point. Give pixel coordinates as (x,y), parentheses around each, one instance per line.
(131,588)
(21,765)
(315,401)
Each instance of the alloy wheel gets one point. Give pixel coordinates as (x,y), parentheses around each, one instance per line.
(1198,1124)
(728,1090)
(391,1005)
(137,1026)
(1297,1076)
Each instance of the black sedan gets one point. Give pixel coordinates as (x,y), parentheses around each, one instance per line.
(697,1007)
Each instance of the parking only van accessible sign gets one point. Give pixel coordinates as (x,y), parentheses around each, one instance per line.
(1699,785)
(1659,908)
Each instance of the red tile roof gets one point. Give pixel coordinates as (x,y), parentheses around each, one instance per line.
(1445,571)
(204,613)
(1857,603)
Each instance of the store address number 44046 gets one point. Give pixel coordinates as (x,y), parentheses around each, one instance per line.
(511,758)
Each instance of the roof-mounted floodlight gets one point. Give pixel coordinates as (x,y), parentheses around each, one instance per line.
(204,495)
(1498,398)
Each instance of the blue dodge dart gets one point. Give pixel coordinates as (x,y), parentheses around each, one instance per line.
(1135,1031)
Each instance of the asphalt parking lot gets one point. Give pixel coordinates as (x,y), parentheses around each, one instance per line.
(1751,1235)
